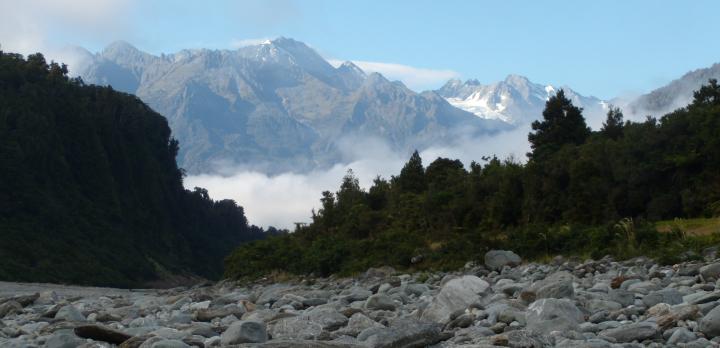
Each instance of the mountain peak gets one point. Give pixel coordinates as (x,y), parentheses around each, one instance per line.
(349,66)
(119,46)
(516,80)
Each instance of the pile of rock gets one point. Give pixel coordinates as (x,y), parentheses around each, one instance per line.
(504,303)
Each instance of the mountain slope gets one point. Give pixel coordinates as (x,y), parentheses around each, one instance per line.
(515,100)
(276,106)
(674,95)
(89,189)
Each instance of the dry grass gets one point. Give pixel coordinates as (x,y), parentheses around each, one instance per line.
(691,227)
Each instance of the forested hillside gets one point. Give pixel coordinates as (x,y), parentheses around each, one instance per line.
(581,192)
(89,189)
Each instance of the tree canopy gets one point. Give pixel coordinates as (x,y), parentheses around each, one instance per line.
(569,198)
(90,192)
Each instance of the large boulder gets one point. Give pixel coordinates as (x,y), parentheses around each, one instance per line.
(497,259)
(556,285)
(456,294)
(244,332)
(551,314)
(405,332)
(710,323)
(632,332)
(711,271)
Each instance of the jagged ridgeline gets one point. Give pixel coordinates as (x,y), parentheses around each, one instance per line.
(582,192)
(90,191)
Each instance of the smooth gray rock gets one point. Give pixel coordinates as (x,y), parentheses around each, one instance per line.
(632,332)
(550,314)
(669,296)
(244,332)
(417,289)
(170,344)
(556,285)
(63,339)
(623,297)
(404,332)
(328,318)
(681,335)
(380,302)
(710,272)
(357,294)
(497,259)
(358,322)
(295,328)
(710,323)
(457,294)
(69,313)
(300,344)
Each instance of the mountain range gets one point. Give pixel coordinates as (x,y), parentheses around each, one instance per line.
(277,106)
(280,106)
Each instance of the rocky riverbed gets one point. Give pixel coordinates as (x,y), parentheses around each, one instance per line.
(503,303)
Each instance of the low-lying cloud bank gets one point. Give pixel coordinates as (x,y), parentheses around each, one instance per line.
(281,200)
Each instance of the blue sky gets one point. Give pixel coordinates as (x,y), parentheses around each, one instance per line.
(601,48)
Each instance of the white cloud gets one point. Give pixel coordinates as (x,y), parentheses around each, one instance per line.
(237,43)
(415,78)
(31,26)
(284,199)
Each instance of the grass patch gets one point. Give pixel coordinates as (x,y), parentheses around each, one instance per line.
(690,227)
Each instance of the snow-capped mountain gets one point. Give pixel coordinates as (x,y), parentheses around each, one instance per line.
(276,106)
(515,100)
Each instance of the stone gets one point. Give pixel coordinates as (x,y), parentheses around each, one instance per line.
(63,340)
(669,296)
(497,259)
(710,272)
(556,285)
(358,322)
(69,313)
(10,307)
(208,314)
(244,332)
(169,344)
(304,344)
(550,314)
(417,289)
(328,318)
(456,294)
(357,294)
(295,328)
(47,298)
(710,323)
(598,305)
(380,302)
(101,333)
(525,339)
(632,332)
(406,332)
(681,335)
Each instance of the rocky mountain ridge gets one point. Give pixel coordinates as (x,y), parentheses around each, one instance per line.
(503,303)
(276,106)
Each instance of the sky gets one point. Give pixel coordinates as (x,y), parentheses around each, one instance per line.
(600,48)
